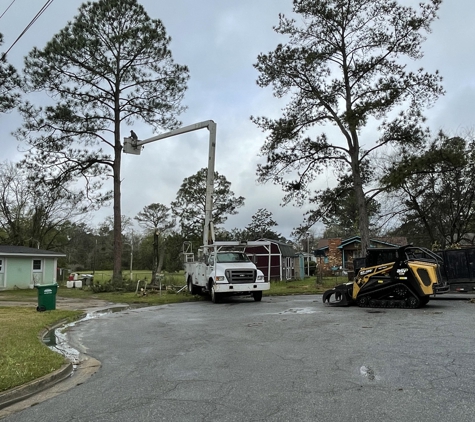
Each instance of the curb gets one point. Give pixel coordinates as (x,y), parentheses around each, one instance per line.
(16,394)
(25,391)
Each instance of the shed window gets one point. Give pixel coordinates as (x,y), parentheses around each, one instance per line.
(1,265)
(37,265)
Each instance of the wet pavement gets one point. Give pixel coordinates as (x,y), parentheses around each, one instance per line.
(283,359)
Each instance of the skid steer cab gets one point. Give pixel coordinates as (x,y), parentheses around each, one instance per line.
(403,277)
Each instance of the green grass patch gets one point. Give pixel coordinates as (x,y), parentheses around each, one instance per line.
(23,356)
(19,295)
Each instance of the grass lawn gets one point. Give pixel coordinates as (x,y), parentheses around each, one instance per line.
(23,356)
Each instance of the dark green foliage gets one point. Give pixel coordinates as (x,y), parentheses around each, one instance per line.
(173,260)
(143,254)
(170,249)
(341,67)
(435,188)
(189,206)
(122,286)
(337,209)
(313,268)
(155,217)
(261,226)
(9,84)
(107,68)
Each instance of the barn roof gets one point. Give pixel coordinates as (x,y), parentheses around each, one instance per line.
(285,249)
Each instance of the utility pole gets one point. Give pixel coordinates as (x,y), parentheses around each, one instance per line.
(308,253)
(155,256)
(131,255)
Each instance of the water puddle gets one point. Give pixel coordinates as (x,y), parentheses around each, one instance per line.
(368,372)
(298,311)
(56,339)
(58,342)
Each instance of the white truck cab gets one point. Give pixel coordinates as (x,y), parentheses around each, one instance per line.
(224,269)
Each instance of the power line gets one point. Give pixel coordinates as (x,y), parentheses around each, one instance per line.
(6,10)
(42,10)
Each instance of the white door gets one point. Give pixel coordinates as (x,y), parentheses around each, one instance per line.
(288,268)
(37,273)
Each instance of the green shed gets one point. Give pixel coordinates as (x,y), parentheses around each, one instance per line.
(22,267)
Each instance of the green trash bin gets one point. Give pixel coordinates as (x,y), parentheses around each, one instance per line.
(46,297)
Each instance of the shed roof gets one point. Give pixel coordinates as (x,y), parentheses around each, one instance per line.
(8,250)
(285,249)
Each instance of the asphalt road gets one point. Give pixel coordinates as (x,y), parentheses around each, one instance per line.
(283,359)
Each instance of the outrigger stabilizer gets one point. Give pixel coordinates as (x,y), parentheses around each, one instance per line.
(340,295)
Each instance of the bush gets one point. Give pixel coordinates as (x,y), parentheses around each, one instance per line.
(123,286)
(312,268)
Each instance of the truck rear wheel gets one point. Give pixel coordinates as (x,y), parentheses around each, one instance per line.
(257,295)
(192,289)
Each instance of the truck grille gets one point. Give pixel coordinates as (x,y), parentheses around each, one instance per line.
(241,276)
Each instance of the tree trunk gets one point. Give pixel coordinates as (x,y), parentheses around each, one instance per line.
(363,220)
(161,258)
(117,272)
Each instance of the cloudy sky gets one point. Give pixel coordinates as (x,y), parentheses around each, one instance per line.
(219,41)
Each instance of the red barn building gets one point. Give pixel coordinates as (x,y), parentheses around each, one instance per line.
(278,261)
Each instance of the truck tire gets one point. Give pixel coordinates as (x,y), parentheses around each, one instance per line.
(192,289)
(215,297)
(257,295)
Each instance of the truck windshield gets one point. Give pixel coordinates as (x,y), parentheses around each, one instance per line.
(232,257)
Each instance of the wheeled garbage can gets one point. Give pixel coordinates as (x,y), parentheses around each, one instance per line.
(46,297)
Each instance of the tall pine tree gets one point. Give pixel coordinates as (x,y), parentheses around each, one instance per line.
(106,69)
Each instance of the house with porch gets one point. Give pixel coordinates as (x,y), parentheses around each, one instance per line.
(22,267)
(337,254)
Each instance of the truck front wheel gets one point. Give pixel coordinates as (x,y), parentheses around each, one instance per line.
(215,297)
(257,295)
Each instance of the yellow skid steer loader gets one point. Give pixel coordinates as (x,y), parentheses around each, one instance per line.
(402,277)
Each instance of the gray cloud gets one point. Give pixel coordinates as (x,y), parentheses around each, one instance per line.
(219,40)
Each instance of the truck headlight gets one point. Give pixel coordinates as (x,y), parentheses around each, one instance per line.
(219,278)
(260,277)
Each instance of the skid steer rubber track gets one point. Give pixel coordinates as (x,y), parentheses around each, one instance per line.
(397,296)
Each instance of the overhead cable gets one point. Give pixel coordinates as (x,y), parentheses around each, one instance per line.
(6,10)
(42,10)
